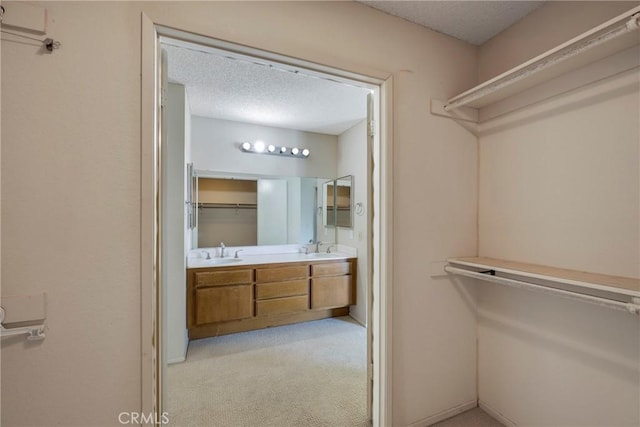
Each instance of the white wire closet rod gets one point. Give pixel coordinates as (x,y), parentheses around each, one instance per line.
(554,62)
(631,307)
(33,333)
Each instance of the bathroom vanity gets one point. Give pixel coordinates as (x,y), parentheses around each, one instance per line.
(246,295)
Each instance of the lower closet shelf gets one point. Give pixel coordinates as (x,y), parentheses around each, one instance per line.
(622,293)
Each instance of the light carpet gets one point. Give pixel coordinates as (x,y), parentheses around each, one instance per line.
(308,374)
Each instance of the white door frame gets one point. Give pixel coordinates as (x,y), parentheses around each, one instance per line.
(151,309)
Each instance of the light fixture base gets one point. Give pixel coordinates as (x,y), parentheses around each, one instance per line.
(260,147)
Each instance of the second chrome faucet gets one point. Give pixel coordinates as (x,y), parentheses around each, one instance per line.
(222,248)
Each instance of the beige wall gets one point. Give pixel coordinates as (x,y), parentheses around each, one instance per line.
(559,184)
(174,224)
(216,147)
(71,119)
(352,160)
(543,29)
(71,149)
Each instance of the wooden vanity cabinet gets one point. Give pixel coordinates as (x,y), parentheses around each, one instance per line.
(281,290)
(223,300)
(223,303)
(332,285)
(221,296)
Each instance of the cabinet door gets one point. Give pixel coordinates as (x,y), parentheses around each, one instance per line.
(331,292)
(223,303)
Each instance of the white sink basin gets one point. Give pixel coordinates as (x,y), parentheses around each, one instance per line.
(218,261)
(323,255)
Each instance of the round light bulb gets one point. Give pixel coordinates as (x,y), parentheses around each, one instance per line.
(305,152)
(258,146)
(271,148)
(295,151)
(246,146)
(283,149)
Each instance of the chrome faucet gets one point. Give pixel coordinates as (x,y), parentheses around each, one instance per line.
(318,243)
(239,250)
(222,246)
(305,249)
(208,255)
(329,248)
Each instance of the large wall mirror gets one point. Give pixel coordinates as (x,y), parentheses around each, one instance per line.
(344,201)
(248,210)
(328,204)
(337,202)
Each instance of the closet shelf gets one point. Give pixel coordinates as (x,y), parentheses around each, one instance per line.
(227,205)
(616,291)
(613,36)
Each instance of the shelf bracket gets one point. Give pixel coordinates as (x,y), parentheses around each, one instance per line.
(465,114)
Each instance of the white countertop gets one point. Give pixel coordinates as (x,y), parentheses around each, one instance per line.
(264,259)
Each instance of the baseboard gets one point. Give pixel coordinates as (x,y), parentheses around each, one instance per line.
(183,357)
(357,319)
(176,360)
(444,414)
(497,415)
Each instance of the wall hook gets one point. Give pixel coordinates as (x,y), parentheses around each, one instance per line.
(51,44)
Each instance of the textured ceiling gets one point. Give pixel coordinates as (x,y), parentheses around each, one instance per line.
(232,89)
(472,21)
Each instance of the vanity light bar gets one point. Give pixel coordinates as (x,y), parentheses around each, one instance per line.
(260,147)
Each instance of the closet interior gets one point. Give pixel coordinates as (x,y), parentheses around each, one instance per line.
(558,294)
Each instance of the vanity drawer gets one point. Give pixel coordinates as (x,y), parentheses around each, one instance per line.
(282,289)
(282,305)
(223,303)
(332,269)
(229,277)
(331,292)
(280,274)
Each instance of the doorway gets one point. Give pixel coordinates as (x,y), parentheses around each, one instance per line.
(378,297)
